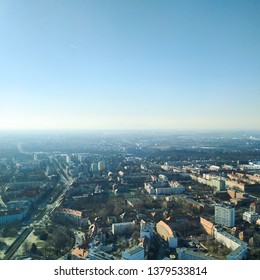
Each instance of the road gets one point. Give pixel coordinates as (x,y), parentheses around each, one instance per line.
(17,243)
(41,216)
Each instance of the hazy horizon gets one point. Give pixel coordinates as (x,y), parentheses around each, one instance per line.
(132,131)
(130,65)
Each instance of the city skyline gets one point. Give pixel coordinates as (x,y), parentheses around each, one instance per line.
(129,65)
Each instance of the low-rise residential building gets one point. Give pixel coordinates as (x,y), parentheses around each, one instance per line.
(189,254)
(216,182)
(164,188)
(146,229)
(134,253)
(18,204)
(12,216)
(123,228)
(191,202)
(238,247)
(95,254)
(250,217)
(75,217)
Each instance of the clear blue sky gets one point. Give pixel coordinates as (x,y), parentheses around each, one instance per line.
(137,64)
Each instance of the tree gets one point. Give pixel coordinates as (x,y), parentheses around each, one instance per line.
(43,235)
(34,249)
(135,237)
(26,247)
(2,245)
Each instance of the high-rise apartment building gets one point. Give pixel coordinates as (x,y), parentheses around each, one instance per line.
(101,165)
(225,215)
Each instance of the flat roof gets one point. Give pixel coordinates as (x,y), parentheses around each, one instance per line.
(134,250)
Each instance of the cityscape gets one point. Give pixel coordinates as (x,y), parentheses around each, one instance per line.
(129,130)
(131,195)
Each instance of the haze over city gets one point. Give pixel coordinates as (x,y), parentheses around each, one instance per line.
(129,130)
(129,64)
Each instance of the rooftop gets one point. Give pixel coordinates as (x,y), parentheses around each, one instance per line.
(79,253)
(70,211)
(132,251)
(163,225)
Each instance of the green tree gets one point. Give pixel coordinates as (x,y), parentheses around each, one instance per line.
(34,249)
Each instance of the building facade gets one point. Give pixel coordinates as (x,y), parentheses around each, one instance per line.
(12,216)
(255,207)
(123,228)
(188,254)
(146,229)
(225,215)
(238,247)
(250,217)
(72,216)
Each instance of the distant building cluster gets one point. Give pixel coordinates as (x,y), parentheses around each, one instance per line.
(162,186)
(135,201)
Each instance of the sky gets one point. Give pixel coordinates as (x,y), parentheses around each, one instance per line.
(139,64)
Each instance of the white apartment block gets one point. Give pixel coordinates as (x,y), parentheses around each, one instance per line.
(225,215)
(238,247)
(250,217)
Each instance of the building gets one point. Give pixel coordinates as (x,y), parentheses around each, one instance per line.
(238,247)
(225,215)
(189,254)
(250,217)
(191,202)
(68,159)
(12,216)
(208,226)
(214,168)
(120,188)
(163,188)
(167,234)
(95,254)
(94,167)
(79,254)
(146,229)
(72,216)
(18,204)
(255,207)
(35,156)
(123,228)
(219,184)
(82,157)
(101,166)
(134,253)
